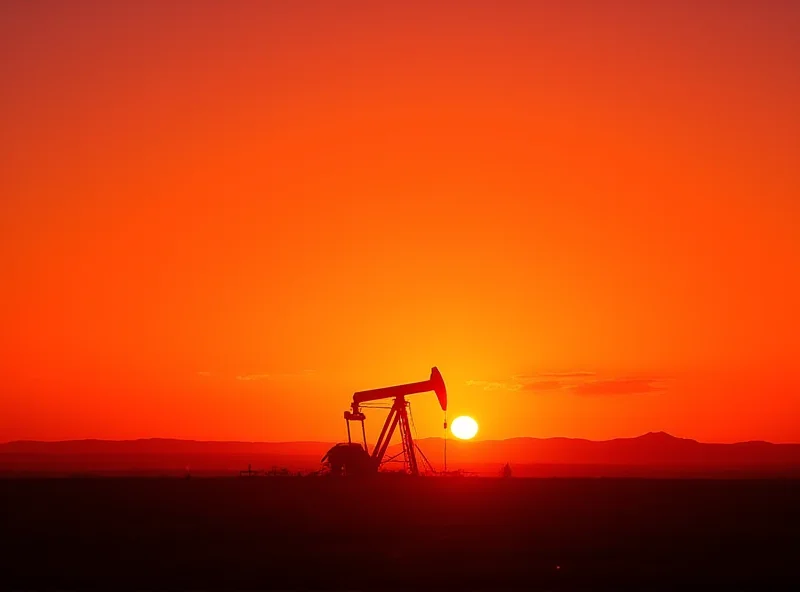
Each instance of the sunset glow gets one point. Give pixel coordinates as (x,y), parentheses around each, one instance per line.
(220,221)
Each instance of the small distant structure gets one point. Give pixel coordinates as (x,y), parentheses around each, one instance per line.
(505,472)
(249,472)
(273,472)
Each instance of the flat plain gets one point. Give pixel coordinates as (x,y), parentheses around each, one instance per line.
(395,532)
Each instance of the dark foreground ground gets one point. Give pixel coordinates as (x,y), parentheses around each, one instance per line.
(458,533)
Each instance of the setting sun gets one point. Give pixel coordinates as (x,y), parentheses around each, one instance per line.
(464,427)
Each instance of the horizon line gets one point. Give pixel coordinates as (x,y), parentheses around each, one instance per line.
(326,442)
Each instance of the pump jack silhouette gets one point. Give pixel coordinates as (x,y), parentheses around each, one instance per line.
(353,459)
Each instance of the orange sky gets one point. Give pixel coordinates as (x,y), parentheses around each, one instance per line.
(218,220)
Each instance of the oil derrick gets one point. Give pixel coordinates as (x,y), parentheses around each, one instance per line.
(353,459)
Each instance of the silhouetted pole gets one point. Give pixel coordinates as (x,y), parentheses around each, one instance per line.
(445,441)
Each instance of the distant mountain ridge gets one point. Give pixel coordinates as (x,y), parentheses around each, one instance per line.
(174,455)
(648,449)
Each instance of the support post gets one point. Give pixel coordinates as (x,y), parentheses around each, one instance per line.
(408,441)
(386,436)
(364,435)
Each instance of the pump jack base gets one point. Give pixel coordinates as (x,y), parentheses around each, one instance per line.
(349,459)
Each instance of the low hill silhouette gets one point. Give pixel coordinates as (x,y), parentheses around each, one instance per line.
(648,455)
(649,449)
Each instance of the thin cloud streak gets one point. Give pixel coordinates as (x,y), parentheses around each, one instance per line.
(248,377)
(579,374)
(629,386)
(576,383)
(287,375)
(545,385)
(529,381)
(494,386)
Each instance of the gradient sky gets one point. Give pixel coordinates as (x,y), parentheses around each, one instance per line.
(219,219)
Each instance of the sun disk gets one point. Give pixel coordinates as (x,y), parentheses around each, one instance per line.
(464,427)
